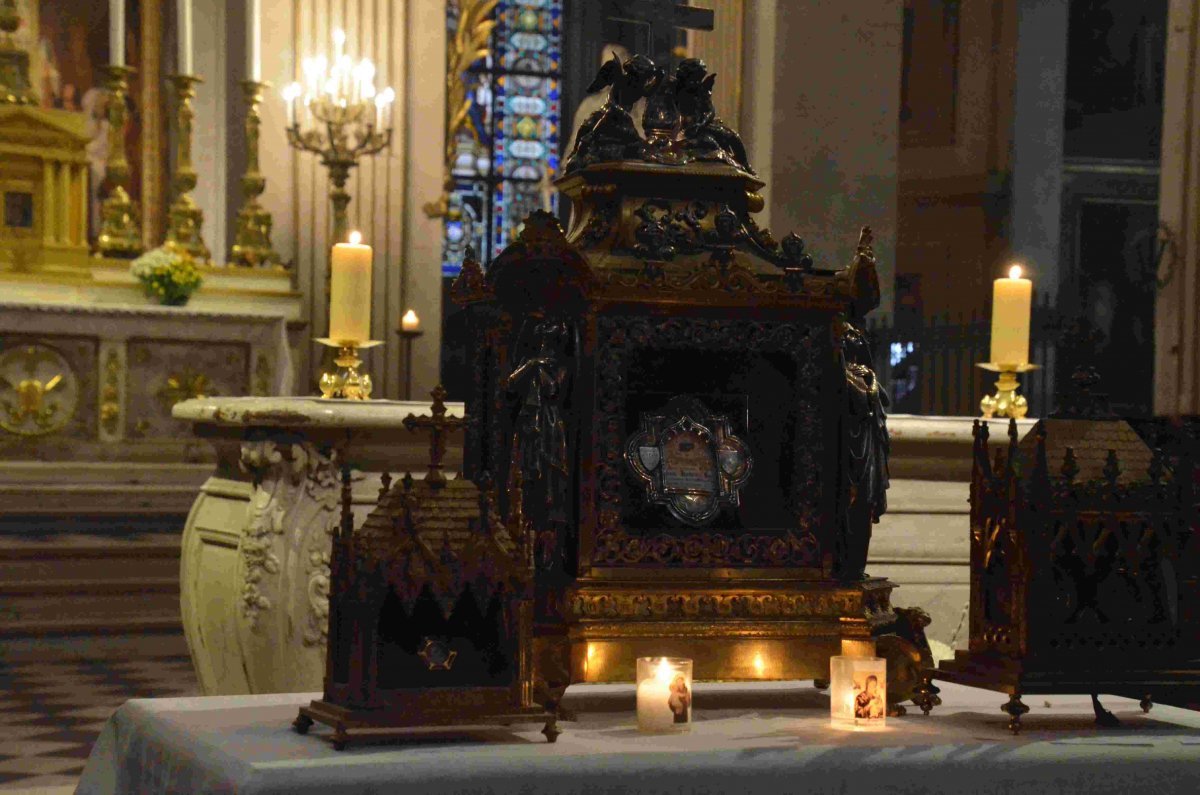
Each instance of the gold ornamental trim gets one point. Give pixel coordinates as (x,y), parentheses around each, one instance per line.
(470,44)
(38,390)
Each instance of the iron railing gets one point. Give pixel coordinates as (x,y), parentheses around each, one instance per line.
(928,365)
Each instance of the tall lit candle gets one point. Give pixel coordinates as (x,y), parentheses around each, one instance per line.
(254,40)
(1012,301)
(184,9)
(350,291)
(116,32)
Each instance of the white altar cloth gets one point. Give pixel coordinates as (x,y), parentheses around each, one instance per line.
(758,737)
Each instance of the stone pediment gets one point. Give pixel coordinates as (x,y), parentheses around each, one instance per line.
(47,129)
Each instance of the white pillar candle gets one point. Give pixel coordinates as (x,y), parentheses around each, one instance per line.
(1012,301)
(291,95)
(254,40)
(184,14)
(350,291)
(410,322)
(664,694)
(116,32)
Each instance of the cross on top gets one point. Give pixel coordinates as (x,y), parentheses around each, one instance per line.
(654,24)
(438,425)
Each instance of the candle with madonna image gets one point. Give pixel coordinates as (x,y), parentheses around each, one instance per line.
(858,687)
(664,694)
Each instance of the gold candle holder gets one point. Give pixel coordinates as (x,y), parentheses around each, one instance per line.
(120,229)
(252,237)
(185,218)
(1006,402)
(15,87)
(347,383)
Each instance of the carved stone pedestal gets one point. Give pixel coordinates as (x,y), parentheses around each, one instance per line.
(254,574)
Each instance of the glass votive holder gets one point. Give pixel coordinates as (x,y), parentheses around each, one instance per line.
(858,691)
(664,694)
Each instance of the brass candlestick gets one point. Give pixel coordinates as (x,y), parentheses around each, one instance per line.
(347,383)
(15,88)
(252,238)
(1006,402)
(185,218)
(120,228)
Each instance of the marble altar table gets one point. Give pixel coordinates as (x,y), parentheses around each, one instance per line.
(751,737)
(254,568)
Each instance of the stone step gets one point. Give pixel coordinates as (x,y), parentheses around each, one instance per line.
(90,585)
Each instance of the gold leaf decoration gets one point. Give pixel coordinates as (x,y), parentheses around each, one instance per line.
(470,44)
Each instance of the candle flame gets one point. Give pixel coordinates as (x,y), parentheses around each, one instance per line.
(759,665)
(1014,272)
(355,238)
(663,672)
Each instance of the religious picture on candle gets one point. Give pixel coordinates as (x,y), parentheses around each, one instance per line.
(680,700)
(664,694)
(868,697)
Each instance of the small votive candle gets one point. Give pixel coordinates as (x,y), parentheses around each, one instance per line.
(664,694)
(410,323)
(858,687)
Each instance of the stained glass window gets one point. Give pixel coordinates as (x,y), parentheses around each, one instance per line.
(508,152)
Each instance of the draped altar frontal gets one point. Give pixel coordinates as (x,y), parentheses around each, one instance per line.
(749,737)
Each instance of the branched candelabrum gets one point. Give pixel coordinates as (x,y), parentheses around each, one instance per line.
(343,138)
(339,117)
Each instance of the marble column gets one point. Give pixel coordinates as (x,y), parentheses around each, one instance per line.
(1177,310)
(835,134)
(1037,140)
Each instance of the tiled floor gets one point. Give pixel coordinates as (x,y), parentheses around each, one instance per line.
(51,713)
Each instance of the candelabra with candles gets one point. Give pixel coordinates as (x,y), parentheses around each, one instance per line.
(120,229)
(252,238)
(15,87)
(185,218)
(338,116)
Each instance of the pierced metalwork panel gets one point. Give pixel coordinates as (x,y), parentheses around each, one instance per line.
(628,533)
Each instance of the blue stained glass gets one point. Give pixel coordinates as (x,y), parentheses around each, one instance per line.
(509,152)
